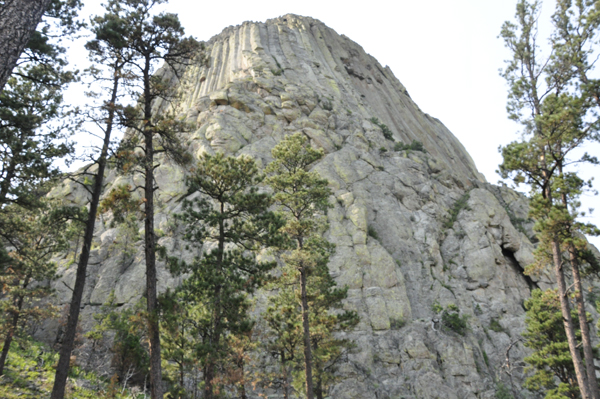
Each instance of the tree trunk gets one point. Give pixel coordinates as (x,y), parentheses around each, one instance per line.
(568,321)
(588,352)
(18,20)
(150,241)
(10,334)
(306,330)
(62,369)
(286,382)
(318,380)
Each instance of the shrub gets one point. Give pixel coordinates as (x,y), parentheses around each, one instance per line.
(414,146)
(396,324)
(372,233)
(455,210)
(387,133)
(495,326)
(452,320)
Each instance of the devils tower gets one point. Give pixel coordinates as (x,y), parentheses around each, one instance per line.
(416,227)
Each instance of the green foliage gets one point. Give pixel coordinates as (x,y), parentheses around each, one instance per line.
(556,100)
(128,330)
(553,371)
(327,105)
(485,358)
(397,323)
(451,319)
(210,308)
(459,205)
(33,236)
(496,326)
(371,232)
(502,392)
(29,375)
(306,293)
(415,145)
(28,153)
(387,133)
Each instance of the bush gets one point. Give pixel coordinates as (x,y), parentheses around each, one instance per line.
(372,233)
(455,210)
(452,320)
(414,146)
(387,133)
(495,326)
(396,324)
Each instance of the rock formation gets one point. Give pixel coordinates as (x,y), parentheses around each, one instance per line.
(414,231)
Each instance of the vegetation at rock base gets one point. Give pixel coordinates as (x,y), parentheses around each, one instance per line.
(245,243)
(29,374)
(32,237)
(148,38)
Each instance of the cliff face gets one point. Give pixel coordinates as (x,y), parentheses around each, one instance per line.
(412,229)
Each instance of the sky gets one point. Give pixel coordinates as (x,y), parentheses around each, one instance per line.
(445,52)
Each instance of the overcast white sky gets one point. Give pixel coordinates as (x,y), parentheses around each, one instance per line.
(446,53)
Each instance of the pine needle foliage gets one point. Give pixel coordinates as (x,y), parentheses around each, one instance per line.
(228,218)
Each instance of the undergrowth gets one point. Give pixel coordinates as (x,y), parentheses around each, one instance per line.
(29,374)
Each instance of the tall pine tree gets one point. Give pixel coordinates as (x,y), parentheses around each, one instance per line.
(559,115)
(230,221)
(151,38)
(303,198)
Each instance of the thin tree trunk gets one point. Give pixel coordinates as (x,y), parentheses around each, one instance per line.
(10,334)
(62,368)
(18,20)
(588,352)
(306,329)
(286,382)
(586,341)
(209,375)
(568,321)
(156,391)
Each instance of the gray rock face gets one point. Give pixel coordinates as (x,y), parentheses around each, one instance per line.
(403,241)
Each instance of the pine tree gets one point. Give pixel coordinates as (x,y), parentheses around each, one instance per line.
(107,48)
(18,20)
(303,198)
(234,216)
(559,115)
(545,335)
(129,335)
(29,143)
(32,237)
(150,39)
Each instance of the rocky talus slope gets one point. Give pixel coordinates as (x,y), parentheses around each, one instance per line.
(412,229)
